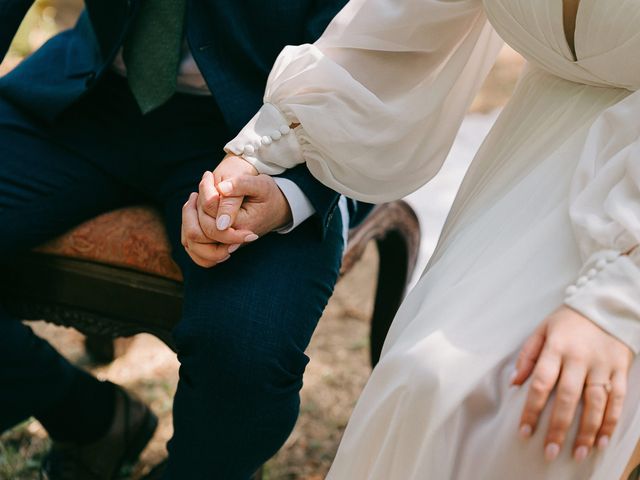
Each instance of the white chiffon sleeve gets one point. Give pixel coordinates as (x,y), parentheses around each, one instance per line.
(378,98)
(605,211)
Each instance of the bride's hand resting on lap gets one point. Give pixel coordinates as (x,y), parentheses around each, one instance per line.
(571,354)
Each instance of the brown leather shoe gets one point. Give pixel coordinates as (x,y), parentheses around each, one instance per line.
(132,427)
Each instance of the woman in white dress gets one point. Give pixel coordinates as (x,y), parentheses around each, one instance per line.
(547,220)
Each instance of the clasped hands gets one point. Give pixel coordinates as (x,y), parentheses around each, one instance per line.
(234,206)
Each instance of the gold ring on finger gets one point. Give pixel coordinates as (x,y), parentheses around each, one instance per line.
(607,386)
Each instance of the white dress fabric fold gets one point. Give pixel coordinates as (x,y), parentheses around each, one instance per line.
(548,213)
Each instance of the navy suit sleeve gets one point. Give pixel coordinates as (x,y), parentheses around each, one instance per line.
(323,199)
(323,12)
(11,14)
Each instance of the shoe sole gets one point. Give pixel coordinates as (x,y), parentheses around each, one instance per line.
(140,440)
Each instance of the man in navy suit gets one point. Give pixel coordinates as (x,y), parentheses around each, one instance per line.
(135,104)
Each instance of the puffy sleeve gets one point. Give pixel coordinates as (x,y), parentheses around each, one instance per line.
(377,101)
(605,212)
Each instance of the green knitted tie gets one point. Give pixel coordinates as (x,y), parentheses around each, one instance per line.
(152,52)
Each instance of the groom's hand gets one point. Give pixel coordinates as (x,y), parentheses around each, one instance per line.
(265,208)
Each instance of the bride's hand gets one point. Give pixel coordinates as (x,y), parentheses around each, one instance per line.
(212,199)
(570,353)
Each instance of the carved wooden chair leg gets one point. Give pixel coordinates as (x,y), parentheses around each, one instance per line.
(104,349)
(101,349)
(393,272)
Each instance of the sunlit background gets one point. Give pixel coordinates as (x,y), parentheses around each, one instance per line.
(339,350)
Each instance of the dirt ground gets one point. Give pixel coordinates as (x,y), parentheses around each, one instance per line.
(339,350)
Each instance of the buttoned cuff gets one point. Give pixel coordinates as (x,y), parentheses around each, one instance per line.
(299,203)
(608,293)
(267,142)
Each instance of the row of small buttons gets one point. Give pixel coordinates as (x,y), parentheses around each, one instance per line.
(276,135)
(592,273)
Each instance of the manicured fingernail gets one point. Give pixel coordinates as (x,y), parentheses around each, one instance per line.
(525,431)
(603,442)
(225,259)
(251,238)
(225,187)
(581,454)
(551,452)
(223,222)
(233,248)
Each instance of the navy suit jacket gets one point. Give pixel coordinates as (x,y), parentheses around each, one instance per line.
(234,43)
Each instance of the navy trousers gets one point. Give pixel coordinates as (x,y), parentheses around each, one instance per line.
(246,323)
